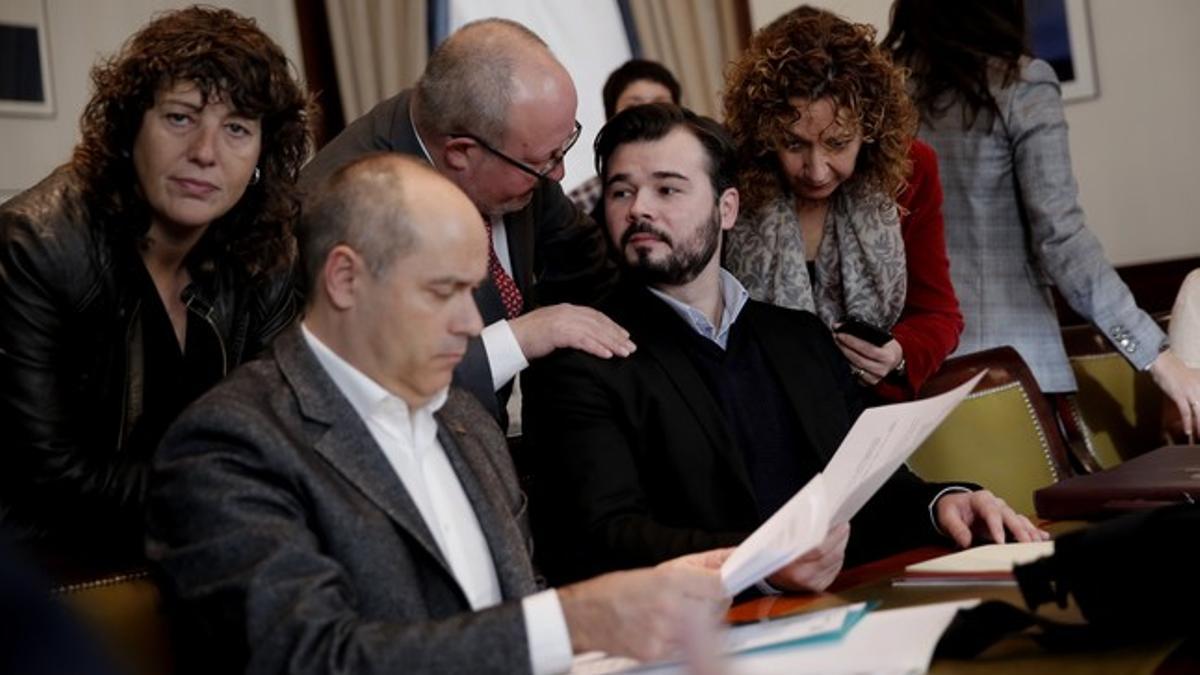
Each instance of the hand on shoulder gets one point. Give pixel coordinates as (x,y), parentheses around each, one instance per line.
(545,329)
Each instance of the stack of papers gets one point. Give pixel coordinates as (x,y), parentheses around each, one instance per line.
(789,631)
(990,565)
(897,641)
(893,641)
(878,443)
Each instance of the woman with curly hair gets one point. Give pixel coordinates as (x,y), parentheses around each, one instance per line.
(136,275)
(841,208)
(996,115)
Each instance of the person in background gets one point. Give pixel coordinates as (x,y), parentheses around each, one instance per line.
(842,208)
(1184,333)
(635,82)
(137,275)
(494,111)
(995,117)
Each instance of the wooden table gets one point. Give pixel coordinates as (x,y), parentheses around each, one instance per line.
(1017,655)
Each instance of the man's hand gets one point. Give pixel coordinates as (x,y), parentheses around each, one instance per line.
(815,570)
(548,328)
(868,362)
(966,516)
(648,614)
(705,560)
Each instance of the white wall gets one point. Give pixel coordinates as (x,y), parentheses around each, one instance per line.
(80,32)
(1137,146)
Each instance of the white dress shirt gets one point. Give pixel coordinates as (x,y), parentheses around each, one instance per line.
(503,351)
(505,358)
(408,438)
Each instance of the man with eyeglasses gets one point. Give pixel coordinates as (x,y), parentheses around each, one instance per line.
(494,112)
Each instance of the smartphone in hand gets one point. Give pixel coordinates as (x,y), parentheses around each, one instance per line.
(864,331)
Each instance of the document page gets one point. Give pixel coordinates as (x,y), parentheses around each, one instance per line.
(989,565)
(989,558)
(878,443)
(798,525)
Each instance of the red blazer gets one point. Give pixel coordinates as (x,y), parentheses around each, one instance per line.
(929,325)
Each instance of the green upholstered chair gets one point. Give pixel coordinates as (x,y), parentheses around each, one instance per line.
(1117,412)
(1003,436)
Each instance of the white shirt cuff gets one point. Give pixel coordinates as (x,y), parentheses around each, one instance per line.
(504,353)
(934,501)
(546,630)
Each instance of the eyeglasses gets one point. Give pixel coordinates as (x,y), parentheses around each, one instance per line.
(546,168)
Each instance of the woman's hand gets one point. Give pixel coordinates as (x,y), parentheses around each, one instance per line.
(1182,385)
(869,363)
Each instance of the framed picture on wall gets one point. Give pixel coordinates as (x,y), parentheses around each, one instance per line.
(1062,36)
(25,87)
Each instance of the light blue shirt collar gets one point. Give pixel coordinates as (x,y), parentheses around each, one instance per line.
(735,296)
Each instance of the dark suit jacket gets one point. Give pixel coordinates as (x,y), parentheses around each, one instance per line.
(634,463)
(557,252)
(293,547)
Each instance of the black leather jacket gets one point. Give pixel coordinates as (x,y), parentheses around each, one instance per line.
(71,365)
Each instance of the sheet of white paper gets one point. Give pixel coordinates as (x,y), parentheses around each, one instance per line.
(797,526)
(982,559)
(879,442)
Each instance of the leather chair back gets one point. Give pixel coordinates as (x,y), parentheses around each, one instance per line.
(1003,436)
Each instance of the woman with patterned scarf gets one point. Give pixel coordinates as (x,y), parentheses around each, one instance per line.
(841,206)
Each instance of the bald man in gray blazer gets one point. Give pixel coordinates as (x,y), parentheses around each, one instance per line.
(338,508)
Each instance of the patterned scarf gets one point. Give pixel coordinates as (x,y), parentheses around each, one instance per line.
(860,262)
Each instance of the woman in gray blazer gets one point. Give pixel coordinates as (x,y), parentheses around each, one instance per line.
(1013,223)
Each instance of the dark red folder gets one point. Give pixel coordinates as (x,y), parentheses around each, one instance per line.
(1168,475)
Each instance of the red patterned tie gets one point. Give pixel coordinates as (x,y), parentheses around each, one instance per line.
(510,295)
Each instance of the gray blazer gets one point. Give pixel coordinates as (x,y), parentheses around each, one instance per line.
(292,546)
(1014,227)
(557,252)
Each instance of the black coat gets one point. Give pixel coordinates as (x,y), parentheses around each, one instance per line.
(634,463)
(71,375)
(293,545)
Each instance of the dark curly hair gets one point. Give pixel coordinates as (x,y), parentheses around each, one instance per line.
(228,58)
(811,54)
